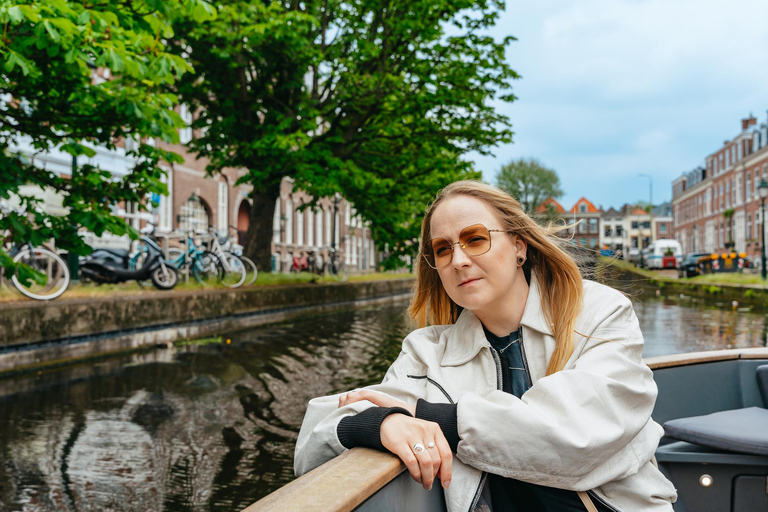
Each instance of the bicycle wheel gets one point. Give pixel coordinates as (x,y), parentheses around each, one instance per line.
(234,270)
(250,271)
(207,268)
(48,263)
(338,271)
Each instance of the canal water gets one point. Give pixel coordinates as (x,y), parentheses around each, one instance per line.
(211,425)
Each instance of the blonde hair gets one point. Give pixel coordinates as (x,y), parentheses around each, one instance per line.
(557,273)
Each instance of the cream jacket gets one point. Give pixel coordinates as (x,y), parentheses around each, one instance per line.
(586,428)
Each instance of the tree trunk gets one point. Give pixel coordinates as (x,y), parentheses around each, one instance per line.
(258,239)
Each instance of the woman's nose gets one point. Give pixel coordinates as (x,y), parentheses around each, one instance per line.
(460,258)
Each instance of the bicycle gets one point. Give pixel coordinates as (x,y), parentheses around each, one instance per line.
(234,267)
(332,266)
(204,265)
(50,277)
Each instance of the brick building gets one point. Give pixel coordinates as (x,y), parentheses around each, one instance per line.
(585,218)
(717,206)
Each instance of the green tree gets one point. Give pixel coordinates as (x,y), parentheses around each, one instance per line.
(375,99)
(528,181)
(49,50)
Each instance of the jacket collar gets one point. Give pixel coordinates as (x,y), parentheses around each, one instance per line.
(466,338)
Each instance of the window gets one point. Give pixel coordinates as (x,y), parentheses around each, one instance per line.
(634,225)
(749,226)
(288,221)
(619,230)
(223,210)
(583,242)
(300,228)
(607,231)
(662,228)
(749,184)
(328,227)
(582,208)
(310,227)
(647,224)
(593,242)
(337,229)
(593,225)
(185,134)
(319,228)
(276,223)
(194,216)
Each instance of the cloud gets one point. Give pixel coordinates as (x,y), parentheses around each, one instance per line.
(613,88)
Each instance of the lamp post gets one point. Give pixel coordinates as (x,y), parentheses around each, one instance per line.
(762,188)
(336,198)
(650,210)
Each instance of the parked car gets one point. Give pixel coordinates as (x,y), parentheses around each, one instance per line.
(690,264)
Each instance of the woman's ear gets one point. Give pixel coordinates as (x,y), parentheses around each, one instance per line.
(521,247)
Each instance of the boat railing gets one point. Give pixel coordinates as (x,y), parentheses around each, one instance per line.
(339,485)
(345,482)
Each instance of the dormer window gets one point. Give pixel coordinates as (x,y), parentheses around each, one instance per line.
(582,208)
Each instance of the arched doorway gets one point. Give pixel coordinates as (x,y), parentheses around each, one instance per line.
(243,219)
(194,215)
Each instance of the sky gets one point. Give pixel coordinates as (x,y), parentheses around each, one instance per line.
(612,89)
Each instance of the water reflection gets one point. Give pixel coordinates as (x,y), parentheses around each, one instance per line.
(207,427)
(212,427)
(687,324)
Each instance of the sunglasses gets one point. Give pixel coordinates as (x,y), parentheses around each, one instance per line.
(474,240)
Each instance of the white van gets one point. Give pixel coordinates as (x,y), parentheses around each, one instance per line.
(664,254)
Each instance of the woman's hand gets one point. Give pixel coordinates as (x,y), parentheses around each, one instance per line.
(379,399)
(401,433)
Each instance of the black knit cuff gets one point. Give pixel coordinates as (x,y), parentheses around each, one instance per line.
(445,416)
(364,429)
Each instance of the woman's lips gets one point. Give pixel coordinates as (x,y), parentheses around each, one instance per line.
(469,281)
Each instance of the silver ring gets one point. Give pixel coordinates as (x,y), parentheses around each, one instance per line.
(430,444)
(418,448)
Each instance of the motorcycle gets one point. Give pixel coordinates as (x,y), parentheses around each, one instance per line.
(113,265)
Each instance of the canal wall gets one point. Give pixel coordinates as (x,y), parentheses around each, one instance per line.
(57,332)
(638,282)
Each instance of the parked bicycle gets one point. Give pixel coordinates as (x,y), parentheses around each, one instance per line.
(235,270)
(332,265)
(50,274)
(204,265)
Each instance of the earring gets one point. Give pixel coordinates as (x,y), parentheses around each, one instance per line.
(520,261)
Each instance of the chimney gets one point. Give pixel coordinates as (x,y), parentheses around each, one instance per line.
(746,123)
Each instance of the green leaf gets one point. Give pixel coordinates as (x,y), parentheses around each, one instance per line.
(30,13)
(115,61)
(15,14)
(55,36)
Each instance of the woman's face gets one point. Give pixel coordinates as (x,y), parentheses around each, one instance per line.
(479,283)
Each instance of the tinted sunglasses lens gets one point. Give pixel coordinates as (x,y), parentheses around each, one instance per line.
(442,252)
(476,240)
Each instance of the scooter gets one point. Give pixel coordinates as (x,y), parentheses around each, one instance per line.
(113,265)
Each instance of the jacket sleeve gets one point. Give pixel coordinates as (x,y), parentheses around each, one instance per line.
(318,441)
(576,429)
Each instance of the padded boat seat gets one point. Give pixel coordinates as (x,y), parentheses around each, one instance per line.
(739,430)
(762,382)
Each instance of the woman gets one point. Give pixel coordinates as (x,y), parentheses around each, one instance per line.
(526,392)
